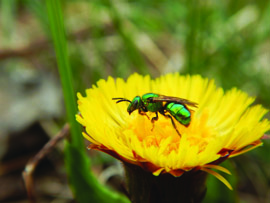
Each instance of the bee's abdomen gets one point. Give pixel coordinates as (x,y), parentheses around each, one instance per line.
(179,112)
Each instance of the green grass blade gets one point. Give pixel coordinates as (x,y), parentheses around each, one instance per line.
(60,45)
(83,183)
(88,189)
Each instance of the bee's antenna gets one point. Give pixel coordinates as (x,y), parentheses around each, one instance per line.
(121,100)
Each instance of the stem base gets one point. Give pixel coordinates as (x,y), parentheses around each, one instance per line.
(144,187)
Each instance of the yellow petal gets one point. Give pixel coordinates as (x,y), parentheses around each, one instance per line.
(223,122)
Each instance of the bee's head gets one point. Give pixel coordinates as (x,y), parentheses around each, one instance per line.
(136,103)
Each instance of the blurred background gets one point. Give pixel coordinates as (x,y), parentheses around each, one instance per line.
(228,41)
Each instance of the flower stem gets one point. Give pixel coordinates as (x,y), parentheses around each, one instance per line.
(143,186)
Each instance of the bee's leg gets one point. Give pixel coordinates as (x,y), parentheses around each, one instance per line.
(153,121)
(169,116)
(143,113)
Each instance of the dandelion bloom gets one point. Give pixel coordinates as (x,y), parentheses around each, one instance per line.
(224,124)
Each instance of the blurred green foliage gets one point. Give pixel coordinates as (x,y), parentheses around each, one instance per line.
(225,40)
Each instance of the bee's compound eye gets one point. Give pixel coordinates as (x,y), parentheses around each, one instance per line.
(135,103)
(132,106)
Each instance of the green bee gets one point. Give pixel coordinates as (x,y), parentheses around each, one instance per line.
(176,107)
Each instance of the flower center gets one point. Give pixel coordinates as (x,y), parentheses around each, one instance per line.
(162,131)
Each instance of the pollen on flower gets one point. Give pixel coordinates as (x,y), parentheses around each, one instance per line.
(223,122)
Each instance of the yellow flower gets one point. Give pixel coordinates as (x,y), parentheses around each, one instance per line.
(224,125)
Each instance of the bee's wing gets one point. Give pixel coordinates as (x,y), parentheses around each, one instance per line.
(163,98)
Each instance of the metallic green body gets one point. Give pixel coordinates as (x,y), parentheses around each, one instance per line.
(165,105)
(153,107)
(179,112)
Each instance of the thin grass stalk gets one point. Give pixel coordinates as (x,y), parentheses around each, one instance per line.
(60,44)
(83,183)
